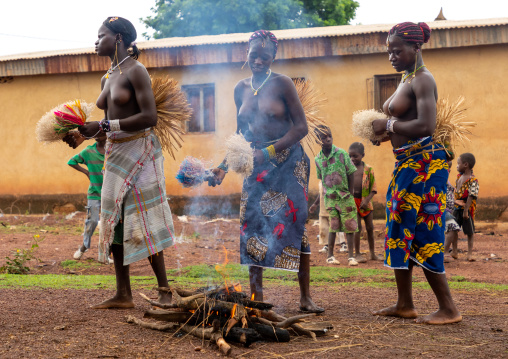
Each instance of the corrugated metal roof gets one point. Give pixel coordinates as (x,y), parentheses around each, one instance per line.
(290,34)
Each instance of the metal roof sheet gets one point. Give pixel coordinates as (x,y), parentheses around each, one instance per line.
(289,34)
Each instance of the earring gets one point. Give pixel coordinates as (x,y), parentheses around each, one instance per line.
(245,63)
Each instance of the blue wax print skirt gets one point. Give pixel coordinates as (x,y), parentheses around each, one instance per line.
(273,211)
(415,203)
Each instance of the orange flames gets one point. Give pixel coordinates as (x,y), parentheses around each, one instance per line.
(224,272)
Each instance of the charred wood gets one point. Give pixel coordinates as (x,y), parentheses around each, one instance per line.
(245,336)
(270,332)
(168,316)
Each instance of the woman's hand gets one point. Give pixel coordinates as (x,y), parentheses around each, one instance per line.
(89,129)
(379,126)
(378,142)
(218,177)
(259,158)
(73,139)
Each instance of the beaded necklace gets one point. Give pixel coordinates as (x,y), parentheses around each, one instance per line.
(259,88)
(404,78)
(111,69)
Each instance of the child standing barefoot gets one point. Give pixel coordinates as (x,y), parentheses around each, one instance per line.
(335,169)
(364,190)
(466,193)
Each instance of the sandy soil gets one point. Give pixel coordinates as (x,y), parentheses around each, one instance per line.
(58,324)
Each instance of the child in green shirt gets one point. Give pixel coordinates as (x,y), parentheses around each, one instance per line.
(93,158)
(335,169)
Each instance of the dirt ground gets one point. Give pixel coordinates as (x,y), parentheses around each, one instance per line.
(58,324)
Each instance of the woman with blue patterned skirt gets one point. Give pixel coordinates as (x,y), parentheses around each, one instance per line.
(274,197)
(416,197)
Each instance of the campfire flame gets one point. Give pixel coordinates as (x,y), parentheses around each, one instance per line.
(252,297)
(224,271)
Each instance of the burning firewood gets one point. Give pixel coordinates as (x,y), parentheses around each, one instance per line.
(168,316)
(271,332)
(225,313)
(245,336)
(153,326)
(218,339)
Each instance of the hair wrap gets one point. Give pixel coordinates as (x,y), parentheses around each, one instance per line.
(412,33)
(264,34)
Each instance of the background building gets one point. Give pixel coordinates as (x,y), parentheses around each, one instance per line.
(347,64)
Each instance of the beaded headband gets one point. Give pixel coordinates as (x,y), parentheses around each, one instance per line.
(263,34)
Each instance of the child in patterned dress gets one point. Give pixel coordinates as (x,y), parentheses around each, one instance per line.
(466,194)
(451,226)
(364,189)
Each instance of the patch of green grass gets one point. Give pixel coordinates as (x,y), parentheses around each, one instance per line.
(457,278)
(59,281)
(73,264)
(206,276)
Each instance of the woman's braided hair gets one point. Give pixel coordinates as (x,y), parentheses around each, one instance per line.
(265,35)
(119,25)
(412,33)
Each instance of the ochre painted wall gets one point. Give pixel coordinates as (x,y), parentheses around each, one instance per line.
(32,168)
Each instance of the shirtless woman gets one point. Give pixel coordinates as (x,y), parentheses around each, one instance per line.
(417,192)
(274,198)
(136,220)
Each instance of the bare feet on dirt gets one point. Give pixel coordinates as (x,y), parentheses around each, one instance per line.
(360,258)
(308,306)
(165,298)
(470,258)
(394,311)
(375,257)
(115,303)
(440,317)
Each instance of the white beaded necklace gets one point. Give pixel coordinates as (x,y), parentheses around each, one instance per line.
(259,88)
(111,69)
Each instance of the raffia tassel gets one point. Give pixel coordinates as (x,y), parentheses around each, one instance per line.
(173,111)
(239,155)
(362,124)
(57,122)
(312,100)
(451,129)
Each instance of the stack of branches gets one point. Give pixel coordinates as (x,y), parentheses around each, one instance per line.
(223,314)
(173,111)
